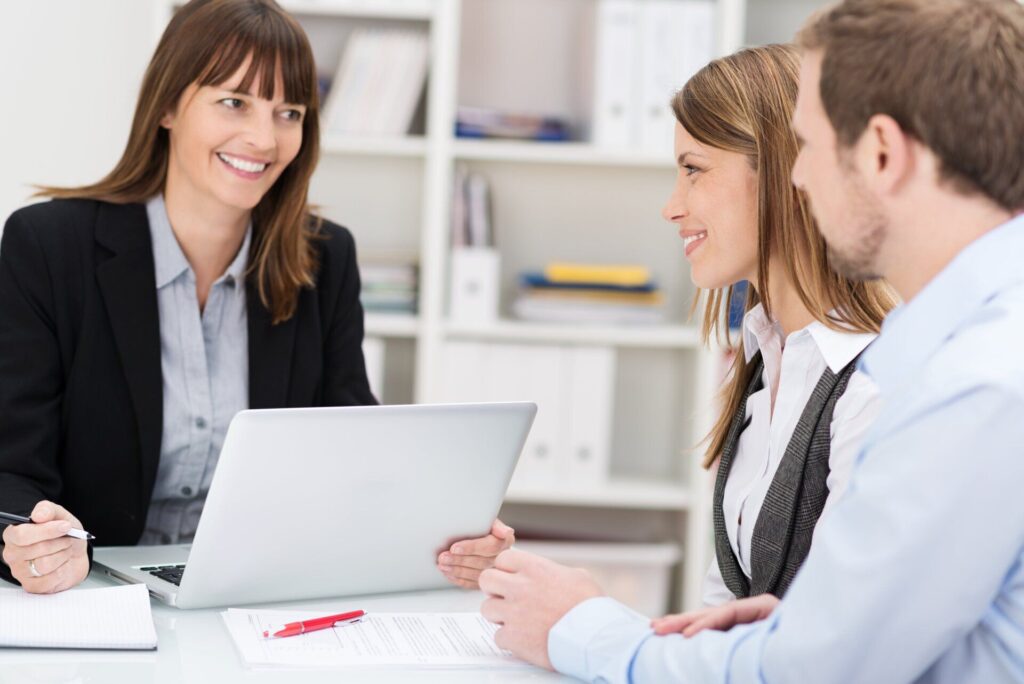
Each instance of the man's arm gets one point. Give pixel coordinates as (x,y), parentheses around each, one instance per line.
(908,563)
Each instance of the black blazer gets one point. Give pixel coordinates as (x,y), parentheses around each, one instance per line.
(81,396)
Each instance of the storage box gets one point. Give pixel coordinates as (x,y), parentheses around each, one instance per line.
(638,575)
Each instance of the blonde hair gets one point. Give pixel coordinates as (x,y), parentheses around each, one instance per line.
(743,103)
(205,43)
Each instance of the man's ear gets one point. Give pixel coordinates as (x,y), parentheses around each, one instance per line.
(885,154)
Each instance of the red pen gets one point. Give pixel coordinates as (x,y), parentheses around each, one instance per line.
(293,628)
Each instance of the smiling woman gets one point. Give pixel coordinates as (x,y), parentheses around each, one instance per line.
(210,58)
(140,313)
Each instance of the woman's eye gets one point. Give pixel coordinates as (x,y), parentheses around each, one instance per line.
(690,169)
(293,115)
(232,103)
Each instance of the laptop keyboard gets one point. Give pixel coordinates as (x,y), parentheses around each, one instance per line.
(169,573)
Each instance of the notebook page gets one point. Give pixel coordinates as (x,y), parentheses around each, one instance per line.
(110,617)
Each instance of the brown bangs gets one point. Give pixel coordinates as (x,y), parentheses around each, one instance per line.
(276,44)
(206,43)
(274,51)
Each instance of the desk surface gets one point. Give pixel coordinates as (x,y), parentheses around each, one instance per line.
(195,647)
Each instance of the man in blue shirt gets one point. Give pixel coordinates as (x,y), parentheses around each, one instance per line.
(911,121)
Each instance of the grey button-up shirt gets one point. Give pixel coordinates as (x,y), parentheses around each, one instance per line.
(204,358)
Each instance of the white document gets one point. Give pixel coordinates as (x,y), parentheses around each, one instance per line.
(114,617)
(376,640)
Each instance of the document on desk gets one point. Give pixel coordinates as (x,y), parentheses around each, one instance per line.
(443,640)
(107,618)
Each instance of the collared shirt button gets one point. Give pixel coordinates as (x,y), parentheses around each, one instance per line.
(201,423)
(186,491)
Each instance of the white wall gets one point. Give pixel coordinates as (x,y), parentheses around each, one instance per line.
(70,73)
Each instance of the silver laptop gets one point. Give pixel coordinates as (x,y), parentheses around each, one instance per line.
(320,502)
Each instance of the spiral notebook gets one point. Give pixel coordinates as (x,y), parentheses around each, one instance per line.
(106,618)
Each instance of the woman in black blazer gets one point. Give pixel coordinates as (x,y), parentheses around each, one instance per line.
(226,136)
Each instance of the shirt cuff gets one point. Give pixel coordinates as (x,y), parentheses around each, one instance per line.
(597,640)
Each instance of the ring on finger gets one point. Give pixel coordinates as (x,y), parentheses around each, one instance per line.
(32,569)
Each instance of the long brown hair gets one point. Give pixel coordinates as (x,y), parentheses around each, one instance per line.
(743,103)
(205,43)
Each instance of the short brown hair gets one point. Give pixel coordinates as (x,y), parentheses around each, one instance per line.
(744,103)
(949,72)
(205,43)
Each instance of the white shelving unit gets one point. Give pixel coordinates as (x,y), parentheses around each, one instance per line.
(551,201)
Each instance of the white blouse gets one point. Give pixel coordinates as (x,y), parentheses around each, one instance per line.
(791,371)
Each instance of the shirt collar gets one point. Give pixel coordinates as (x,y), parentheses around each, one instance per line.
(837,347)
(915,330)
(168,258)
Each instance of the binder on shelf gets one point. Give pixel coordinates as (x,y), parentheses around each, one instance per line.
(471,217)
(532,373)
(591,384)
(616,62)
(462,366)
(460,218)
(478,205)
(677,40)
(478,371)
(378,83)
(569,446)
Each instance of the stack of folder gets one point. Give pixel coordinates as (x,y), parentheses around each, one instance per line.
(389,287)
(583,293)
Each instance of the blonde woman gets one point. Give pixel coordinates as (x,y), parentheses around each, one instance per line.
(140,313)
(795,406)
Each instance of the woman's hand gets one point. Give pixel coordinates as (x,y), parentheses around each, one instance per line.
(40,556)
(721,617)
(466,559)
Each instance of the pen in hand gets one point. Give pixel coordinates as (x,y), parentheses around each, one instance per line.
(12,519)
(303,626)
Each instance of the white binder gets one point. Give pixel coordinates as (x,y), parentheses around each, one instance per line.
(616,62)
(677,39)
(533,373)
(591,383)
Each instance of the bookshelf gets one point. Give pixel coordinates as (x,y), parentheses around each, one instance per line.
(551,201)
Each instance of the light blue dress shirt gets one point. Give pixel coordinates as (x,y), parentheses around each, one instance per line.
(204,360)
(917,574)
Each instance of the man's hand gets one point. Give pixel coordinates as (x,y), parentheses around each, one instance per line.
(466,559)
(528,595)
(58,562)
(723,617)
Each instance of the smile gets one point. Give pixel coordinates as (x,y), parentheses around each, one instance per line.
(247,167)
(691,242)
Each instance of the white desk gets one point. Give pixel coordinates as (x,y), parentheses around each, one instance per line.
(195,647)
